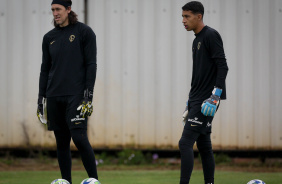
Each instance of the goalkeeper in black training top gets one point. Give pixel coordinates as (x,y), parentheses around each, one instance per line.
(207,89)
(67,79)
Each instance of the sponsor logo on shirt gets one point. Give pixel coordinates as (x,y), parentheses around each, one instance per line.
(195,120)
(77,119)
(52,42)
(209,124)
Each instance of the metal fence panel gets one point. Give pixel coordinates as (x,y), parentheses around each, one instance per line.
(144,72)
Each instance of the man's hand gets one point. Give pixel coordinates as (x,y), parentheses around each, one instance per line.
(41,109)
(210,105)
(185,114)
(85,106)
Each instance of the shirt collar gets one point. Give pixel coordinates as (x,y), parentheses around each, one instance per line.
(204,28)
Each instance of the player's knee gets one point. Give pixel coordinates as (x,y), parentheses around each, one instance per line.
(185,144)
(204,148)
(79,137)
(62,140)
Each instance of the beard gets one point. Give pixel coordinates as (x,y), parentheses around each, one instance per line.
(60,22)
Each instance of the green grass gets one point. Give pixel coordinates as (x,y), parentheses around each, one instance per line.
(137,177)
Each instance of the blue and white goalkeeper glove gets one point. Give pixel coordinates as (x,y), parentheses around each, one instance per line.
(185,114)
(210,105)
(86,107)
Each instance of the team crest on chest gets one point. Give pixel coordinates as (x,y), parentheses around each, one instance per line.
(199,45)
(72,37)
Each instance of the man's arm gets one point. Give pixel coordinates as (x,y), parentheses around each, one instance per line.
(90,54)
(90,57)
(45,67)
(218,56)
(222,70)
(43,80)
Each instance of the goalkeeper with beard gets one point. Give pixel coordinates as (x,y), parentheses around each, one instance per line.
(67,78)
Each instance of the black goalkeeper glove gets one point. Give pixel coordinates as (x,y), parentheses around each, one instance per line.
(40,110)
(86,107)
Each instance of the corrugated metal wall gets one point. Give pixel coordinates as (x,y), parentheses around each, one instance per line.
(22,26)
(144,72)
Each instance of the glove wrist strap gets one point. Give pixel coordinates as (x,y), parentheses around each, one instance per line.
(40,100)
(88,94)
(216,91)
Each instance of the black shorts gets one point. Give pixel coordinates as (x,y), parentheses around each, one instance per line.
(62,113)
(196,121)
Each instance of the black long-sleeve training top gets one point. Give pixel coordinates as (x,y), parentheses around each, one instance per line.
(209,65)
(69,61)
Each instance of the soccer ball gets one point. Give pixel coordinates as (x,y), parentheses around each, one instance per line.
(256,181)
(60,181)
(90,181)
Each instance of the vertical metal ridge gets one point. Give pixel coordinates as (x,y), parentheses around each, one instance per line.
(86,12)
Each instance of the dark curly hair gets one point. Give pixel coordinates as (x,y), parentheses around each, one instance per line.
(195,7)
(72,15)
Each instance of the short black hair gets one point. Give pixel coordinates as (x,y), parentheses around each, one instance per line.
(195,7)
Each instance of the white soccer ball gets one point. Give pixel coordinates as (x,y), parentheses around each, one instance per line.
(255,181)
(60,181)
(90,181)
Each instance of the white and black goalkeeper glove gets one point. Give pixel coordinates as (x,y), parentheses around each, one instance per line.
(210,105)
(86,107)
(41,111)
(185,114)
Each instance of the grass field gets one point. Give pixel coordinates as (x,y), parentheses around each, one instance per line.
(137,177)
